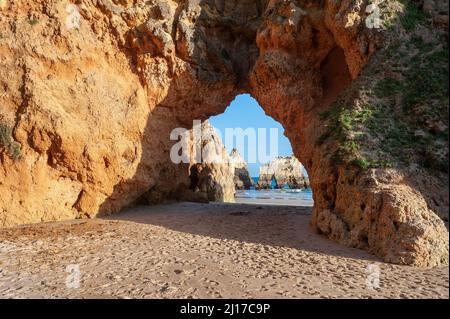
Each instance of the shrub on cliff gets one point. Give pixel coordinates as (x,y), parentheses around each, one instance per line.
(402,109)
(7,142)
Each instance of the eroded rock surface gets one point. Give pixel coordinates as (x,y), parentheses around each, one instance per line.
(213,177)
(285,171)
(91,90)
(242,179)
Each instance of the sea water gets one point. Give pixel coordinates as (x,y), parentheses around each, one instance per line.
(289,197)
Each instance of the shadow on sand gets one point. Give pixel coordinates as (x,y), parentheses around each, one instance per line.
(279,226)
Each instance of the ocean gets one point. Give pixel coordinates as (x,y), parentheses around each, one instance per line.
(288,197)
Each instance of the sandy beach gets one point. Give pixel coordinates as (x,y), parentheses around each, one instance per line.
(190,250)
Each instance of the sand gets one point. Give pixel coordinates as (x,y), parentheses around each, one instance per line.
(190,250)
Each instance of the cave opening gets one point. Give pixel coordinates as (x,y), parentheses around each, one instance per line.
(264,166)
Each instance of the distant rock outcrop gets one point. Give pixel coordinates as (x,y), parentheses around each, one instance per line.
(286,171)
(213,178)
(242,179)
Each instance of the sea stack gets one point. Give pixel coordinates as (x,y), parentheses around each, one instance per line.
(242,179)
(287,171)
(213,178)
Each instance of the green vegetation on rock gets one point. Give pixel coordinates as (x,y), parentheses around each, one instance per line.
(33,22)
(7,142)
(411,16)
(401,112)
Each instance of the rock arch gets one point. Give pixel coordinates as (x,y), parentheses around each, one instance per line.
(142,68)
(283,171)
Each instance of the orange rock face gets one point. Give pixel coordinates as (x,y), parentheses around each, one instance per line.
(92,91)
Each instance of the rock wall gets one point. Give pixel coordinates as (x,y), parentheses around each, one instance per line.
(91,90)
(242,179)
(287,171)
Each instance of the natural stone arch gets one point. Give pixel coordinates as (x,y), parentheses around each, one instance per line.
(186,60)
(273,180)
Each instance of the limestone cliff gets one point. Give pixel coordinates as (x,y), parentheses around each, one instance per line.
(91,90)
(213,177)
(242,179)
(286,171)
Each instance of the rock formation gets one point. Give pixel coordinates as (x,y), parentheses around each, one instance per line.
(91,90)
(212,178)
(287,171)
(242,179)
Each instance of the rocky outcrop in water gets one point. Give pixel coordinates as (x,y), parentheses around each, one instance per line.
(242,179)
(90,93)
(285,172)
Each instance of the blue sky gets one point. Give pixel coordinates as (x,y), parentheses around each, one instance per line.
(245,112)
